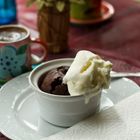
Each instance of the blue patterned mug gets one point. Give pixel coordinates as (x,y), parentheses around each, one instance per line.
(15,51)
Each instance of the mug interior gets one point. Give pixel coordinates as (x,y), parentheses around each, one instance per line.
(13,33)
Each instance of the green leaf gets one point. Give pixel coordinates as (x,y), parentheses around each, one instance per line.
(49,4)
(40,4)
(78,1)
(22,49)
(60,6)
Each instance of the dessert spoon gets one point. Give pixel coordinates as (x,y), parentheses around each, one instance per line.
(124,74)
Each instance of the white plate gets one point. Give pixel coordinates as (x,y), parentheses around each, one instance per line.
(19,117)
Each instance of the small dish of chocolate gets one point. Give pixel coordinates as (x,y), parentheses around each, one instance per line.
(56,106)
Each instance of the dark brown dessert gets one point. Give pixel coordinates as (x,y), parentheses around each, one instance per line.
(52,81)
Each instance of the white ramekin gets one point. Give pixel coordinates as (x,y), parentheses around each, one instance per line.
(57,109)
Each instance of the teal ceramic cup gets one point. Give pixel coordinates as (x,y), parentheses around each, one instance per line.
(15,52)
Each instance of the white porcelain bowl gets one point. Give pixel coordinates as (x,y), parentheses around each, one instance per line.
(57,109)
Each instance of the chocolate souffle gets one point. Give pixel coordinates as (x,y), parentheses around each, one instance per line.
(52,81)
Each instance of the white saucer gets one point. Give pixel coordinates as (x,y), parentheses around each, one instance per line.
(19,117)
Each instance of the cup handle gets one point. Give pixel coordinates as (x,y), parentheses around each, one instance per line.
(36,59)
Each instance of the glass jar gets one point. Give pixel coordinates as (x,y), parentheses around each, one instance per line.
(7,11)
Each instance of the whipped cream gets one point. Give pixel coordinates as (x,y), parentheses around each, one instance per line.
(88,74)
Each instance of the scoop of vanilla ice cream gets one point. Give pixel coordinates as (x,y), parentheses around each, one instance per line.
(87,74)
